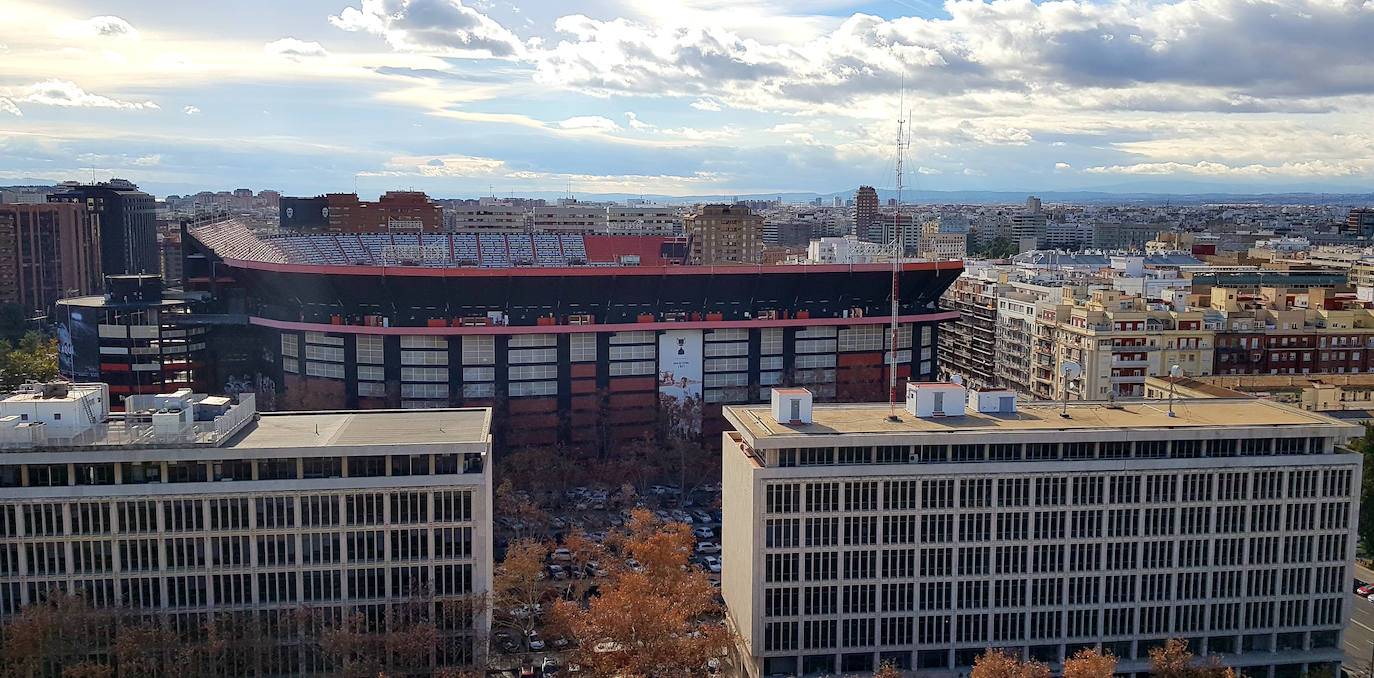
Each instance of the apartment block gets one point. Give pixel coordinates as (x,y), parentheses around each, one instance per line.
(725,234)
(969,521)
(186,506)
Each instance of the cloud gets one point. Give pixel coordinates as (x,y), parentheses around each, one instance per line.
(148,160)
(447,166)
(446,27)
(191,110)
(292,49)
(1061,166)
(589,122)
(636,123)
(705,105)
(7,105)
(1314,168)
(97,26)
(54,92)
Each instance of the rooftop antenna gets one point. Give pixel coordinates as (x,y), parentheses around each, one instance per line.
(1174,373)
(896,255)
(1070,370)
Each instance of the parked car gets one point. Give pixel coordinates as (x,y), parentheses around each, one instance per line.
(703,533)
(594,569)
(701,516)
(561,556)
(505,642)
(634,565)
(708,547)
(549,667)
(557,572)
(713,563)
(534,641)
(1365,590)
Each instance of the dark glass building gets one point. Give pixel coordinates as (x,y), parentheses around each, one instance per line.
(127,221)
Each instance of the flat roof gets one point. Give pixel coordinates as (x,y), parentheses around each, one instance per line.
(452,426)
(757,422)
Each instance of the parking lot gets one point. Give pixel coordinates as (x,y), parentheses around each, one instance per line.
(551,515)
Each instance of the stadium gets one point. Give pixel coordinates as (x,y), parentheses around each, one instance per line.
(578,335)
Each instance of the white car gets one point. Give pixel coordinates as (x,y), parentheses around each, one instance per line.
(703,533)
(536,643)
(1370,597)
(712,563)
(634,565)
(708,547)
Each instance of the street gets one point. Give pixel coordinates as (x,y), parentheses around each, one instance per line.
(1358,641)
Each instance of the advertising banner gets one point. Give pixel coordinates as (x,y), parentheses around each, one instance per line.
(78,346)
(679,364)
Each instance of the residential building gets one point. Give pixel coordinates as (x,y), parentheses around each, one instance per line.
(846,250)
(47,251)
(126,220)
(1119,340)
(1335,393)
(942,245)
(1130,237)
(491,217)
(1360,222)
(1015,332)
(643,219)
(968,346)
(866,213)
(570,218)
(851,539)
(725,234)
(186,507)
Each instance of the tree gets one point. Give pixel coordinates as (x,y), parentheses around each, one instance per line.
(1000,247)
(1365,446)
(33,359)
(657,620)
(887,670)
(518,587)
(1090,663)
(1173,660)
(998,663)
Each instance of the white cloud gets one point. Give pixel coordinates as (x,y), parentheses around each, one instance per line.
(7,105)
(148,160)
(636,123)
(1061,166)
(96,26)
(705,105)
(440,166)
(292,49)
(1314,168)
(445,27)
(54,92)
(191,110)
(589,122)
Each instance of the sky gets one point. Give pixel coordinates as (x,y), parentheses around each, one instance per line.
(689,97)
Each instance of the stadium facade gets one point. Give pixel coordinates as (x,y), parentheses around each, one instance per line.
(578,335)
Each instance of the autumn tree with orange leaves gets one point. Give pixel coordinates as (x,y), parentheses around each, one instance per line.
(998,663)
(661,621)
(1174,660)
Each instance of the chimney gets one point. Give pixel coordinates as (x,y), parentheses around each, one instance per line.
(792,406)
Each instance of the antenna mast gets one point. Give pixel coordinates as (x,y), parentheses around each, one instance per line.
(896,254)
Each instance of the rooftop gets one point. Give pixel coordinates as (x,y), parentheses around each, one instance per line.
(757,423)
(367,428)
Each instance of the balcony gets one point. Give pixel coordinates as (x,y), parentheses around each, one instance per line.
(1130,362)
(1139,379)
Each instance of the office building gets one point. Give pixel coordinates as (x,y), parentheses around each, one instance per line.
(127,221)
(187,506)
(130,339)
(725,234)
(850,539)
(942,245)
(486,216)
(866,213)
(47,251)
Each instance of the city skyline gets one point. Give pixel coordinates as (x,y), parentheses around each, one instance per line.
(702,98)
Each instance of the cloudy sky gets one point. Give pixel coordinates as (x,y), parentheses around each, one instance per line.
(688,97)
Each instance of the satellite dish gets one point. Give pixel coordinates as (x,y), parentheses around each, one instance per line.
(957,379)
(1175,371)
(1071,370)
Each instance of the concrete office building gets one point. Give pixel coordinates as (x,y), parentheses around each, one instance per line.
(643,219)
(126,219)
(187,506)
(851,539)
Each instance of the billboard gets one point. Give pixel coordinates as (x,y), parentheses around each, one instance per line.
(303,214)
(78,345)
(679,364)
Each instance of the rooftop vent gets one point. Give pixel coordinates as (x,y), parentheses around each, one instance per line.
(792,406)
